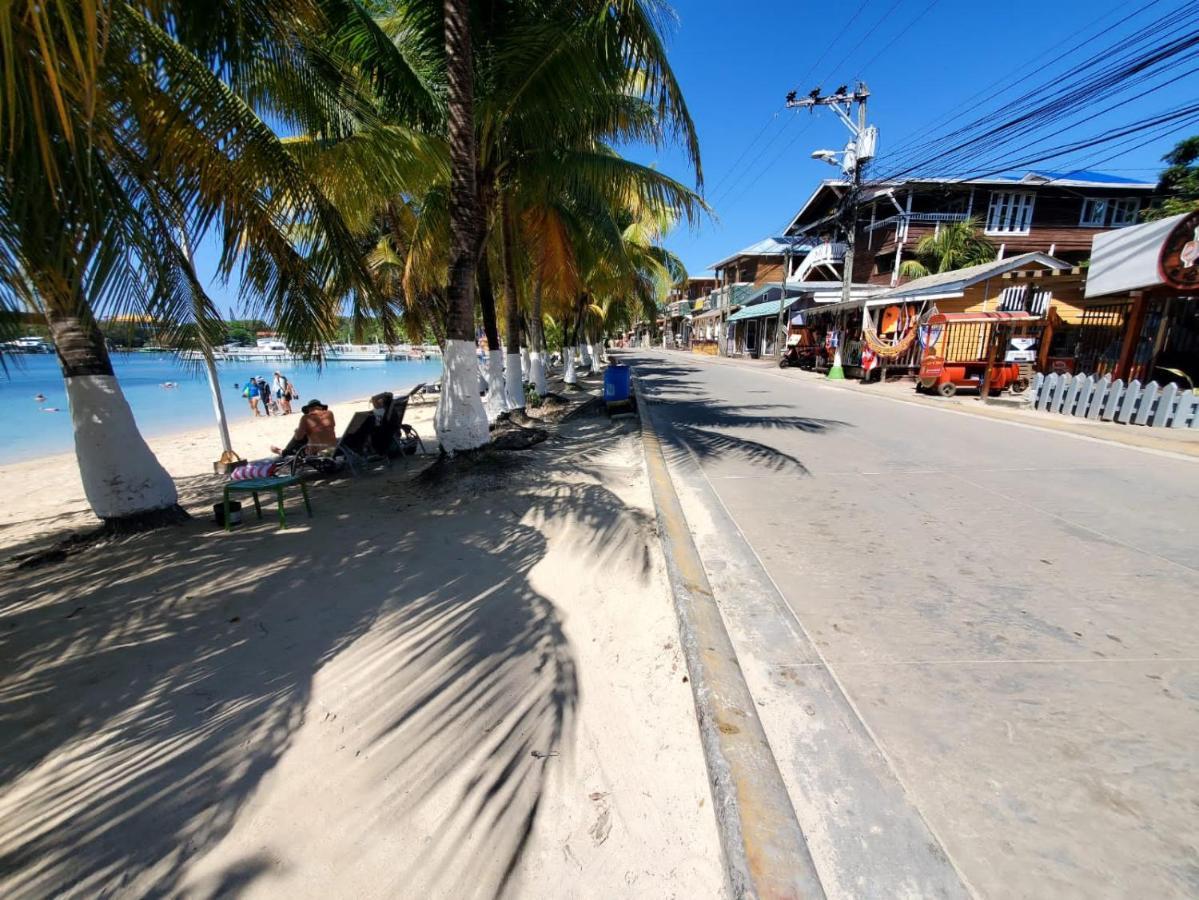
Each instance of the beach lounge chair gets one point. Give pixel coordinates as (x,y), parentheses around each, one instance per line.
(351,450)
(423,392)
(404,438)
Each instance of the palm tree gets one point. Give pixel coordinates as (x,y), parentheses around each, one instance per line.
(460,420)
(954,245)
(129,130)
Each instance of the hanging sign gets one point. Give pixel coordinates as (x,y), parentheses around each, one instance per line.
(1178,263)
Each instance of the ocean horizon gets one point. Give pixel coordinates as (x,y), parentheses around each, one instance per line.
(35,430)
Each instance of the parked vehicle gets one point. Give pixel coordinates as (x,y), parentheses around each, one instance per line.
(966,345)
(940,377)
(799,353)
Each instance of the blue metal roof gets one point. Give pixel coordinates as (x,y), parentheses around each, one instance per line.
(1087,175)
(771,246)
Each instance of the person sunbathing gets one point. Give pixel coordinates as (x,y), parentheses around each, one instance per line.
(317,431)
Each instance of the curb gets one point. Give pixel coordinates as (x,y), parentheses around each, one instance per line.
(765,852)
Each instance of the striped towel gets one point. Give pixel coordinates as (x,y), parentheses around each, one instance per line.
(253,470)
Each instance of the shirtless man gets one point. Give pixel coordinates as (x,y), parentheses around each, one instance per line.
(317,431)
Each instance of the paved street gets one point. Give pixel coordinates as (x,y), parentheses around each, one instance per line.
(984,667)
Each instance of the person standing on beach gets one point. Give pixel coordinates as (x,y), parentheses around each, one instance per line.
(283,391)
(251,394)
(264,393)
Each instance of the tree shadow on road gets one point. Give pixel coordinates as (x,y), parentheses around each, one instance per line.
(711,427)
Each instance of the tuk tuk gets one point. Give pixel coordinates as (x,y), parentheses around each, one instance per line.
(984,351)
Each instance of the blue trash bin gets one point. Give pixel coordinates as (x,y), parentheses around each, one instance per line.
(616,384)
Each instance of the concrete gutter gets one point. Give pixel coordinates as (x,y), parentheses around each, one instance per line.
(765,852)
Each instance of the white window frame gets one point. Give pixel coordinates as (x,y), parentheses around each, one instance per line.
(1091,204)
(1127,208)
(1010,212)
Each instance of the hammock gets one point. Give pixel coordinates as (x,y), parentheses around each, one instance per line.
(906,329)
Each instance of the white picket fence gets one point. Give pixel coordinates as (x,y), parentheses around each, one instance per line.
(1101,399)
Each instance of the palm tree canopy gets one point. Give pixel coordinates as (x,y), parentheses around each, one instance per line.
(955,245)
(129,123)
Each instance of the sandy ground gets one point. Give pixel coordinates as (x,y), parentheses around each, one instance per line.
(44,496)
(468,689)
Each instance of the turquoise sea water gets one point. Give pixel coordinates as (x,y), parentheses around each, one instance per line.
(30,432)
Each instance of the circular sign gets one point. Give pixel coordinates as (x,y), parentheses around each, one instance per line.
(1178,263)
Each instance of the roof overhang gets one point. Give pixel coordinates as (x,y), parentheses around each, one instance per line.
(953,284)
(828,184)
(755,251)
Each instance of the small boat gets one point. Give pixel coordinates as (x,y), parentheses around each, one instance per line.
(358,353)
(30,344)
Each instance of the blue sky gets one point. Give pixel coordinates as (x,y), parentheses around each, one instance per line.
(923,60)
(736,61)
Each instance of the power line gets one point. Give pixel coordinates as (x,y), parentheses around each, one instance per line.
(733,168)
(750,168)
(770,165)
(829,46)
(1064,102)
(866,36)
(1062,97)
(912,147)
(887,46)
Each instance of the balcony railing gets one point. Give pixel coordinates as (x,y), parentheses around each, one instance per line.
(820,255)
(902,220)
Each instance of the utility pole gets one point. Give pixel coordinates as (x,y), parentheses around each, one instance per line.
(857,152)
(779,333)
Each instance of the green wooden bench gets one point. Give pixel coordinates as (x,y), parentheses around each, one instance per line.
(274,485)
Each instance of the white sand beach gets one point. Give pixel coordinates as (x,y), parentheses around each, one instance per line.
(467,689)
(43,497)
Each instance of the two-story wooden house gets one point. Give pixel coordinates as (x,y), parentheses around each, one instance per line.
(682,303)
(1047,212)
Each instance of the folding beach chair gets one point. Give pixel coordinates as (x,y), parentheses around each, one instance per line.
(404,438)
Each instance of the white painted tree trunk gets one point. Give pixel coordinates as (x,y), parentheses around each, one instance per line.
(568,365)
(585,354)
(597,364)
(526,367)
(218,404)
(497,398)
(513,381)
(460,420)
(121,476)
(537,373)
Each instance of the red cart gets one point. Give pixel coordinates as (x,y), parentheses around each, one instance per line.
(966,353)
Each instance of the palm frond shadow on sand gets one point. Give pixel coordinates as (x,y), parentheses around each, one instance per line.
(147,690)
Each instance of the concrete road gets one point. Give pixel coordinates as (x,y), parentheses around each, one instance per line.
(981,674)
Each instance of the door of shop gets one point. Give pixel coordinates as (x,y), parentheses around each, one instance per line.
(751,337)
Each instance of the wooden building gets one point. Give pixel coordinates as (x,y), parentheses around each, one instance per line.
(1049,288)
(1054,213)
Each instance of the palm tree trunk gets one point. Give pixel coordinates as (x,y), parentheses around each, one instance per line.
(461,420)
(569,339)
(124,483)
(214,384)
(512,361)
(497,403)
(537,354)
